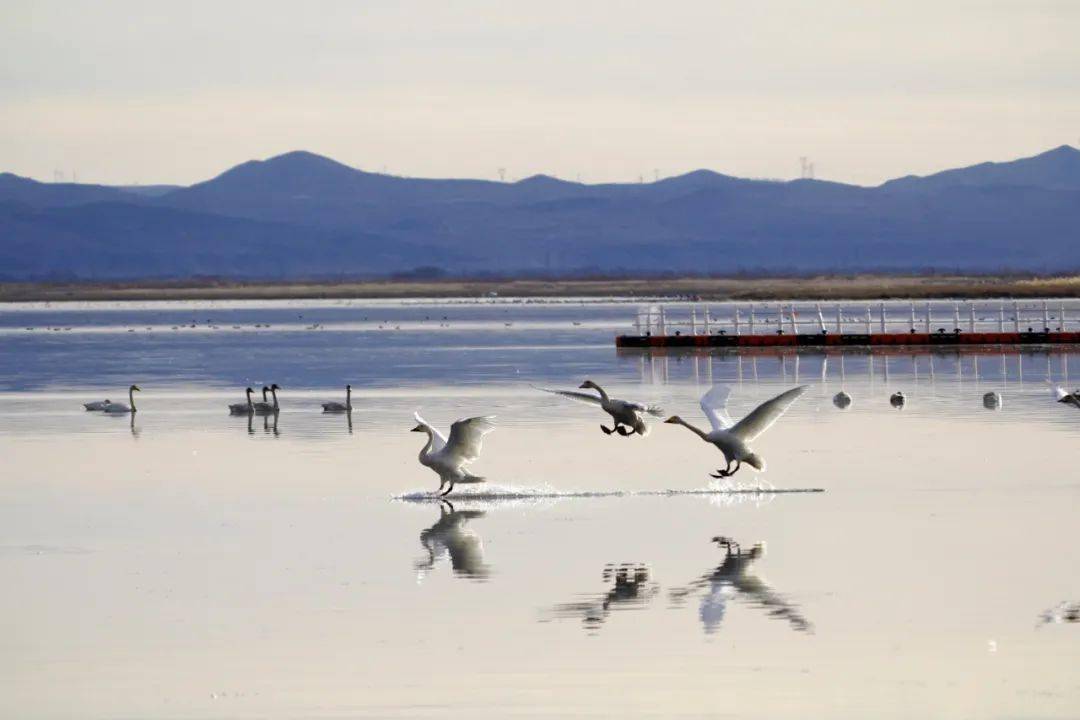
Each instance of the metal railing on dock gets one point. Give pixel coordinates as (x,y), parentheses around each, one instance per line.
(889,322)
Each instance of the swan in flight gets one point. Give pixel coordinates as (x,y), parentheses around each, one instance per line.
(731,438)
(121,408)
(265,408)
(624,412)
(1060,394)
(449,457)
(97,405)
(244,408)
(336,407)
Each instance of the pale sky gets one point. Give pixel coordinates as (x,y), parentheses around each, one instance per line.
(142,91)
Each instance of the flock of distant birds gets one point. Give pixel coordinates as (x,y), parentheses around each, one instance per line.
(450,456)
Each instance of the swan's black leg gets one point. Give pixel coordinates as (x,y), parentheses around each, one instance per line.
(622,431)
(442,484)
(726,472)
(738,464)
(607,430)
(449,489)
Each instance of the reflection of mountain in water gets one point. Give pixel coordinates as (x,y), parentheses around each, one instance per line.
(630,588)
(449,537)
(734,579)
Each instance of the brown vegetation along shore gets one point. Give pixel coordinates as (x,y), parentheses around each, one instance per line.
(775,288)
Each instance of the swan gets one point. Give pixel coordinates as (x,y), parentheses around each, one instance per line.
(121,408)
(448,457)
(731,438)
(897,400)
(992,400)
(622,411)
(842,400)
(336,407)
(98,405)
(244,408)
(265,408)
(1061,395)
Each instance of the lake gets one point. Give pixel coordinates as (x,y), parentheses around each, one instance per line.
(183,563)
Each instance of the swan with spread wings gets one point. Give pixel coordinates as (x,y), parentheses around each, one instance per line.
(449,457)
(733,438)
(629,416)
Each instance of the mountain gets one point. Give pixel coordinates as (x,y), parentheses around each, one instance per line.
(301,215)
(1057,169)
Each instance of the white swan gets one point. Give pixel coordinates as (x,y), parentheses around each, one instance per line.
(265,408)
(244,408)
(121,408)
(897,399)
(1064,396)
(336,407)
(842,400)
(623,412)
(733,439)
(448,458)
(97,405)
(992,400)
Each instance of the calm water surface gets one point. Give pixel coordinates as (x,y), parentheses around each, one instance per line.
(188,564)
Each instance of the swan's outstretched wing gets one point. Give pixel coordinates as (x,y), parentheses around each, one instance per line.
(438,442)
(765,414)
(654,410)
(583,397)
(467,436)
(714,405)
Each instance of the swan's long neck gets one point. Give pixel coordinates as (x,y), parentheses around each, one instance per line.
(274,393)
(250,403)
(430,440)
(348,398)
(603,395)
(131,398)
(696,430)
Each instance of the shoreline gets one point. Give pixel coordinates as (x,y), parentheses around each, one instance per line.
(834,287)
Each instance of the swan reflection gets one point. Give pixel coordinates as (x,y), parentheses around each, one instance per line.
(449,536)
(630,586)
(735,579)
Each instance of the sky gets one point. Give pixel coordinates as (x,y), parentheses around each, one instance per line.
(119,91)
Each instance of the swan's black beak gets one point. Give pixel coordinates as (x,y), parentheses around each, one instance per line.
(672,420)
(136,388)
(418,428)
(584,385)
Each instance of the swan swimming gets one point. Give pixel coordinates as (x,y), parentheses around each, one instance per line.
(449,457)
(731,438)
(992,400)
(897,400)
(265,408)
(97,405)
(622,411)
(842,400)
(336,407)
(244,408)
(121,408)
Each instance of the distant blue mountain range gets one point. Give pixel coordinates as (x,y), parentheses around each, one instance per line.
(301,215)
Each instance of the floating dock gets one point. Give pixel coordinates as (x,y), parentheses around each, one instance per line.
(762,326)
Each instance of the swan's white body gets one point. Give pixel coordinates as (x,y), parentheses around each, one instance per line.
(992,401)
(842,400)
(731,438)
(98,405)
(448,458)
(1064,396)
(897,400)
(120,408)
(337,407)
(244,408)
(623,412)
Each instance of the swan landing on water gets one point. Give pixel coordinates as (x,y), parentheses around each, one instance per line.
(731,438)
(449,457)
(623,412)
